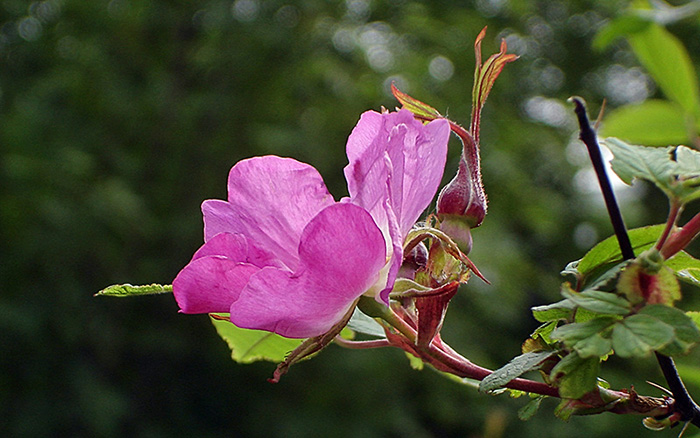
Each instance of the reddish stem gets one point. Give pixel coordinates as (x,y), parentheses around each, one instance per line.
(680,239)
(670,223)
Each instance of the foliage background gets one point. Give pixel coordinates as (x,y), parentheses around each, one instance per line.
(117,118)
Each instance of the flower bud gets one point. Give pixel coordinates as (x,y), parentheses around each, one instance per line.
(463,198)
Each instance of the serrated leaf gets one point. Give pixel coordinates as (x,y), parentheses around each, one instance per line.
(515,368)
(652,122)
(575,376)
(686,333)
(649,163)
(597,301)
(661,166)
(128,290)
(608,251)
(254,345)
(668,62)
(639,335)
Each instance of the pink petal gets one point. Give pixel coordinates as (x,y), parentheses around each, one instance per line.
(416,156)
(425,153)
(270,201)
(237,248)
(341,253)
(231,246)
(210,284)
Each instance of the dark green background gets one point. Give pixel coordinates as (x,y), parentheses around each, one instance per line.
(118,118)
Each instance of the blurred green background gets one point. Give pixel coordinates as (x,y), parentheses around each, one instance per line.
(117,118)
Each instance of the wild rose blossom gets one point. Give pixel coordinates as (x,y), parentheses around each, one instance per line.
(281,255)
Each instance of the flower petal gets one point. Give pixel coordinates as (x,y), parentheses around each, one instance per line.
(416,155)
(424,165)
(341,253)
(238,248)
(210,284)
(270,201)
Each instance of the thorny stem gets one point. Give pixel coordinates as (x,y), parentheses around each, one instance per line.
(684,403)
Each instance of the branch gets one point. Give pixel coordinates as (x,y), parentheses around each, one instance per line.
(590,139)
(684,403)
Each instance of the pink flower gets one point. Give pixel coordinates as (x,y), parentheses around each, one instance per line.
(281,255)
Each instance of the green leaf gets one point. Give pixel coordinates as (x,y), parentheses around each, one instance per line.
(639,335)
(554,312)
(667,60)
(128,290)
(619,27)
(674,170)
(575,376)
(593,346)
(513,369)
(695,316)
(361,323)
(688,161)
(649,163)
(685,330)
(652,122)
(686,267)
(253,345)
(608,251)
(571,334)
(531,408)
(597,301)
(416,363)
